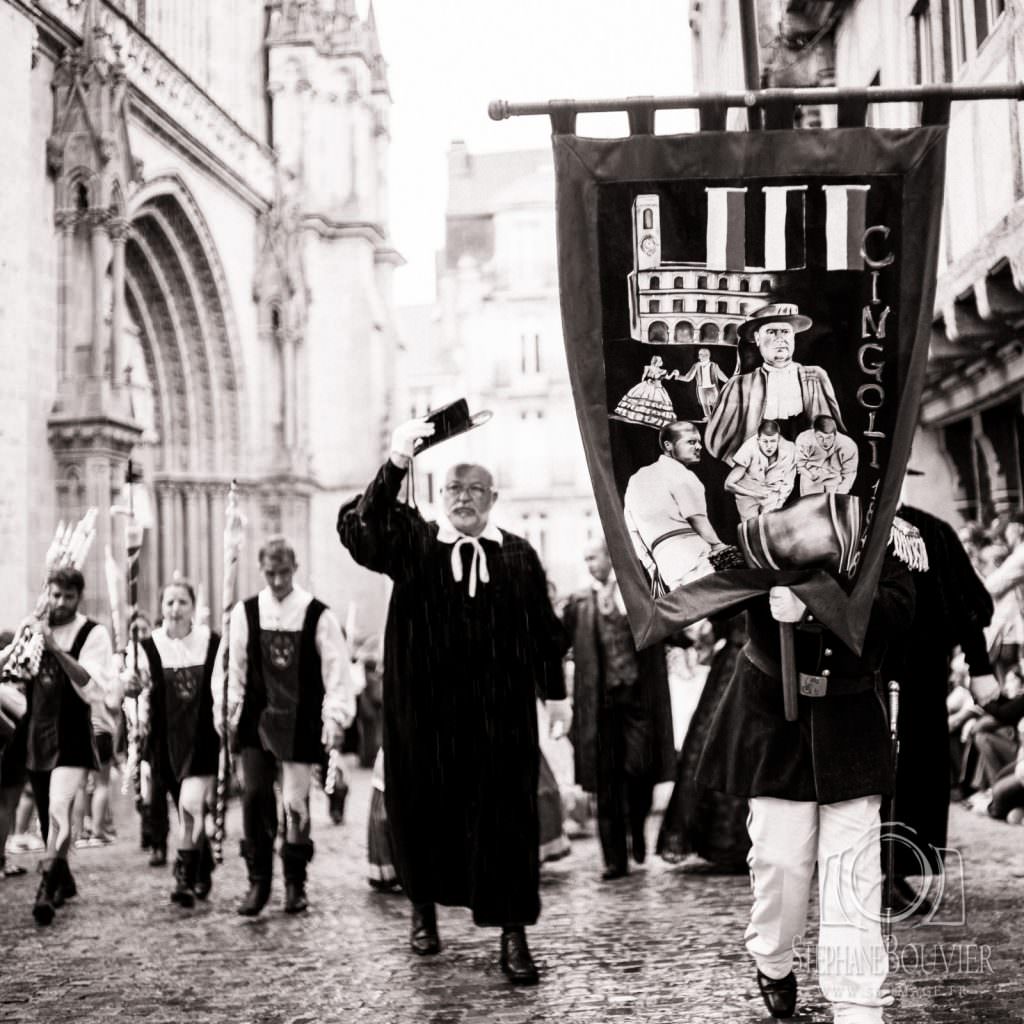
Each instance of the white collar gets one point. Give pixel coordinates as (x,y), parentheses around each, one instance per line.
(448,533)
(478,570)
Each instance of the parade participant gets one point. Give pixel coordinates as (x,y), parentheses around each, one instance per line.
(779,389)
(177,666)
(471,640)
(825,459)
(952,610)
(380,860)
(667,514)
(13,775)
(289,696)
(622,716)
(815,787)
(76,671)
(764,471)
(700,828)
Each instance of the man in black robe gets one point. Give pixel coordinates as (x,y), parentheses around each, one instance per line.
(622,716)
(471,639)
(952,611)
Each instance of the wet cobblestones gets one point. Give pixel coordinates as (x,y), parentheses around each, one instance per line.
(659,947)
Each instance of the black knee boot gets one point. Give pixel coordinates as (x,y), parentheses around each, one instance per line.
(259,859)
(43,909)
(204,872)
(185,868)
(294,858)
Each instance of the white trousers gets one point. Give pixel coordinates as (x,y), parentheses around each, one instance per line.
(789,838)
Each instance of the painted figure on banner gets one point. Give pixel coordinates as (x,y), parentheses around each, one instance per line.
(764,471)
(826,459)
(648,402)
(780,389)
(708,376)
(666,512)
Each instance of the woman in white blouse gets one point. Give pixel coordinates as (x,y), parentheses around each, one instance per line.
(177,666)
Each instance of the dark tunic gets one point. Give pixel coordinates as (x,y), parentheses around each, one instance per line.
(953,608)
(838,748)
(284,692)
(59,718)
(461,678)
(697,819)
(181,732)
(649,745)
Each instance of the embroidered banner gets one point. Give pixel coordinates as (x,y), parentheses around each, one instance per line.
(746,317)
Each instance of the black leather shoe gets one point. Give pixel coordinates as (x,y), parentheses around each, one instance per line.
(43,909)
(779,996)
(905,899)
(639,847)
(516,961)
(424,939)
(158,856)
(615,871)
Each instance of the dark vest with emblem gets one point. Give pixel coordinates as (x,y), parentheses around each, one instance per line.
(284,690)
(181,713)
(618,653)
(59,719)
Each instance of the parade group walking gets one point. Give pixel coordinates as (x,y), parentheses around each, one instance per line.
(472,642)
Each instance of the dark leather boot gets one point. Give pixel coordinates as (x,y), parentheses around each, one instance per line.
(43,909)
(158,855)
(516,961)
(294,858)
(424,939)
(64,887)
(779,995)
(260,862)
(185,868)
(204,871)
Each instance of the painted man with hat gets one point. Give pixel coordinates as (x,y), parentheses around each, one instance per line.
(471,640)
(780,389)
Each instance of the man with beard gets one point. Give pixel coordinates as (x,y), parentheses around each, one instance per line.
(471,640)
(76,672)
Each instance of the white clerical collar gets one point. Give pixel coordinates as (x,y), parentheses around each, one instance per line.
(448,534)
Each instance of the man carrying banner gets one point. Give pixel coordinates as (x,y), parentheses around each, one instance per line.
(779,389)
(815,787)
(289,695)
(667,512)
(471,641)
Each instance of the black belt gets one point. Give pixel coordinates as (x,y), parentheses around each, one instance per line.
(824,685)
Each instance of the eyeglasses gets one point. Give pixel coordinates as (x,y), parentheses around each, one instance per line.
(475,491)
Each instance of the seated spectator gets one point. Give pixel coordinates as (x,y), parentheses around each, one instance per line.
(994,737)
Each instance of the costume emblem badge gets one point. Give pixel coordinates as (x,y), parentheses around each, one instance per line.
(185,683)
(282,651)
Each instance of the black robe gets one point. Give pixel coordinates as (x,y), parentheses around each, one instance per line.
(952,610)
(461,678)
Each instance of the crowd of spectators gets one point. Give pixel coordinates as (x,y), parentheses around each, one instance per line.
(987,757)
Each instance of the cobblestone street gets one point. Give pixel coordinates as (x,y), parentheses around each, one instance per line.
(659,946)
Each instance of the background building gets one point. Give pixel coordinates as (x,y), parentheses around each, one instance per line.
(972,428)
(196,275)
(495,337)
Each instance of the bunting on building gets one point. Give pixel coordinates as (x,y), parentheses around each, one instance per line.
(747,356)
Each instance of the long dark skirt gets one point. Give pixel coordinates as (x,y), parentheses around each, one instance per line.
(698,820)
(380,861)
(554,843)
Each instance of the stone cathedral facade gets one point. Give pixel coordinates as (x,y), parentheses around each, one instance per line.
(196,276)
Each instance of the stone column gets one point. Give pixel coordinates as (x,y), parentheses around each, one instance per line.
(290,395)
(165,532)
(65,223)
(118,355)
(100,247)
(193,561)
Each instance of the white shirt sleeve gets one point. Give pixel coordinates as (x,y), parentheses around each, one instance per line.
(97,658)
(339,690)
